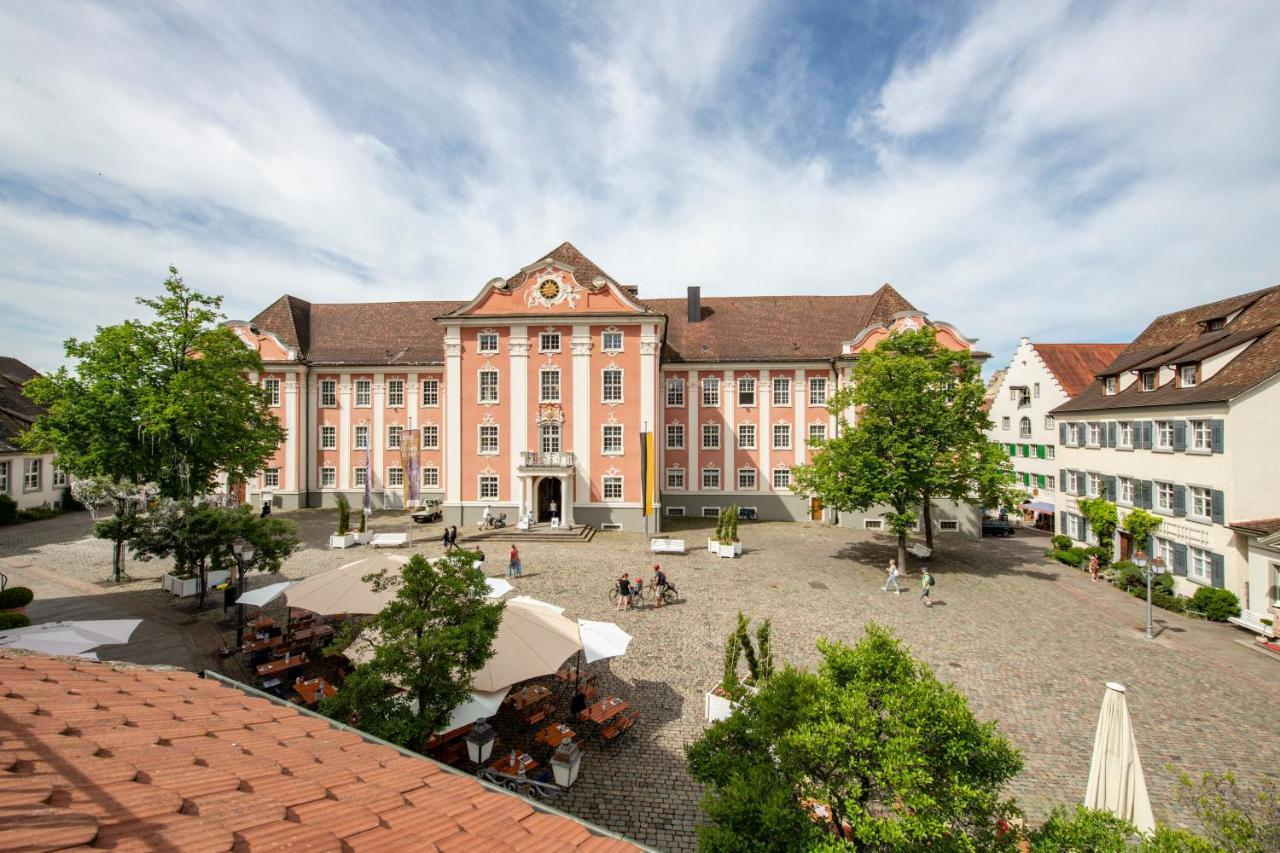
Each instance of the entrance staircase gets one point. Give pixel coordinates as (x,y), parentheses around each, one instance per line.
(538,533)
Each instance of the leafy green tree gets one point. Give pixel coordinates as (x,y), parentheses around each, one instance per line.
(891,758)
(127,500)
(1081,829)
(919,434)
(1103,520)
(166,402)
(1235,820)
(429,642)
(1140,524)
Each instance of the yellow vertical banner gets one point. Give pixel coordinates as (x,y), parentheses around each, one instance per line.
(646,444)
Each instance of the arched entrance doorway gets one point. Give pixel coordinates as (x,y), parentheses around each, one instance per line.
(550,501)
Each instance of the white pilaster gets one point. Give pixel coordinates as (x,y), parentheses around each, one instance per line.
(291,432)
(693,432)
(310,437)
(453,415)
(378,476)
(583,389)
(345,439)
(764,439)
(729,398)
(518,350)
(801,399)
(566,500)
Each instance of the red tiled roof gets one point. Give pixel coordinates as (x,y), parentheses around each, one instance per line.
(91,754)
(17,412)
(1076,365)
(1259,527)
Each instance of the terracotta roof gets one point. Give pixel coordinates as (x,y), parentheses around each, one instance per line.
(584,269)
(290,318)
(1076,365)
(91,754)
(1181,337)
(16,411)
(772,328)
(1258,527)
(378,333)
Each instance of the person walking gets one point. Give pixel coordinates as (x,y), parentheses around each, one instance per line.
(624,591)
(1093,566)
(513,563)
(893,577)
(453,537)
(926,582)
(446,542)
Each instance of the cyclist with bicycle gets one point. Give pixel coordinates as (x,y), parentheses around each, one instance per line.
(660,584)
(624,591)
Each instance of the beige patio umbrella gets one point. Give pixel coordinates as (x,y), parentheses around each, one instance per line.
(344,590)
(1116,783)
(531,641)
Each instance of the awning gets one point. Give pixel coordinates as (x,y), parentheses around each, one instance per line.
(1039,506)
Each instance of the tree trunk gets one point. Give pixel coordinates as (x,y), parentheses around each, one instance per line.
(203,584)
(117,560)
(902,551)
(928,522)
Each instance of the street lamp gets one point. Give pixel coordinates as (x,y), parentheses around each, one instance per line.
(566,762)
(242,549)
(480,742)
(1156,567)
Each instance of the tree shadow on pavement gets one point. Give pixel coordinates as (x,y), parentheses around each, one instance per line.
(957,557)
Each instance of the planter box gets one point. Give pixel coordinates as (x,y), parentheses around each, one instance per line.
(363,538)
(187,587)
(733,549)
(717,707)
(346,540)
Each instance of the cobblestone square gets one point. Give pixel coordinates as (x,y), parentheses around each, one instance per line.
(1030,642)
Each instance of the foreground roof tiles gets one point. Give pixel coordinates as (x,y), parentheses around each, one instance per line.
(138,759)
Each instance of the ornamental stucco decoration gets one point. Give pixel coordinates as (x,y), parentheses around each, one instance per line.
(551,287)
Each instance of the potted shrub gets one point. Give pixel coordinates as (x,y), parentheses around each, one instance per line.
(725,542)
(363,537)
(15,599)
(344,538)
(724,697)
(10,621)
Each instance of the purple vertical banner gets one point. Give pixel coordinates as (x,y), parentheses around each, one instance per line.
(412,473)
(368,481)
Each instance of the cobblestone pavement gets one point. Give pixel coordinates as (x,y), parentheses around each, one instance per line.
(1030,642)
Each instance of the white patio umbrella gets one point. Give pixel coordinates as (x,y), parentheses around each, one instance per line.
(263,596)
(532,640)
(534,602)
(70,638)
(479,706)
(1116,783)
(497,587)
(602,640)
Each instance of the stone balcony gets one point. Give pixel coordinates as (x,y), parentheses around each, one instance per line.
(559,462)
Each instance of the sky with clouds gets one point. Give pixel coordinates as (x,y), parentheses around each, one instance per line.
(1055,169)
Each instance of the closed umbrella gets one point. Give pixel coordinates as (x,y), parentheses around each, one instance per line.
(263,596)
(531,641)
(602,640)
(1116,783)
(70,638)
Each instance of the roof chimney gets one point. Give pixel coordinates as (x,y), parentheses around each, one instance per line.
(695,304)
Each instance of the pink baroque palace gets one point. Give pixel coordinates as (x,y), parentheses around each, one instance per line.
(532,397)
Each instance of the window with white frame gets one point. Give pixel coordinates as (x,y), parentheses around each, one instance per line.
(395,393)
(675,392)
(393,436)
(711,436)
(1050,482)
(431,477)
(710,391)
(271,478)
(1162,549)
(1073,526)
(710,479)
(1187,375)
(1005,422)
(328,393)
(1201,502)
(611,341)
(1048,451)
(611,487)
(57,477)
(362,437)
(1148,379)
(782,478)
(1125,486)
(359,475)
(272,387)
(611,439)
(549,385)
(395,477)
(1124,434)
(1024,427)
(710,511)
(782,391)
(549,438)
(1095,434)
(488,385)
(747,436)
(675,436)
(1164,497)
(1035,390)
(430,437)
(549,342)
(611,385)
(817,432)
(431,392)
(1093,485)
(328,478)
(487,342)
(674,511)
(746,478)
(1164,435)
(328,437)
(1201,436)
(489,439)
(817,390)
(1048,422)
(872,524)
(675,478)
(1109,385)
(1199,565)
(953,526)
(746,392)
(488,487)
(364,393)
(782,436)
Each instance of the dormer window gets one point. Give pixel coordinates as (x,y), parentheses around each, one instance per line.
(1188,375)
(1213,324)
(1148,380)
(1109,385)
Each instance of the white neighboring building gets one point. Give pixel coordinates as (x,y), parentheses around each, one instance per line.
(31,480)
(1040,378)
(1183,423)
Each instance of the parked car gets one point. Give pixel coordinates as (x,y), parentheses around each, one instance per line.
(996,527)
(430,511)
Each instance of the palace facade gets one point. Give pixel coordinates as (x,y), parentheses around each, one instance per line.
(532,398)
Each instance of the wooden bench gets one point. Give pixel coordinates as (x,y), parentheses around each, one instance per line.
(666,546)
(621,727)
(390,540)
(1251,620)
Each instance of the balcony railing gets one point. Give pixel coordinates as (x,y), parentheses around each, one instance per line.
(557,459)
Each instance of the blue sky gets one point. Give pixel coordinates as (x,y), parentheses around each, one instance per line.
(1055,169)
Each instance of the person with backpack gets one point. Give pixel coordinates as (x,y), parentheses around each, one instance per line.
(926,581)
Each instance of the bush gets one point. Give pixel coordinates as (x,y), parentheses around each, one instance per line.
(1217,605)
(1061,543)
(1071,557)
(8,510)
(1066,831)
(1130,578)
(39,513)
(15,596)
(1168,601)
(1103,554)
(9,621)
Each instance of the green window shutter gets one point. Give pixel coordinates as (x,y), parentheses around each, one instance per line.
(1040,480)
(1039,451)
(1013,450)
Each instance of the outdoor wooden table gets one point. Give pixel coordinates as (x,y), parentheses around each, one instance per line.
(268,643)
(311,635)
(505,765)
(555,734)
(573,674)
(280,665)
(261,623)
(314,690)
(527,697)
(605,710)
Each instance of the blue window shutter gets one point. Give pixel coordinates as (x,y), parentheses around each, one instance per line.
(1147,487)
(1111,434)
(1179,500)
(1218,512)
(1111,488)
(1179,559)
(1218,569)
(1147,429)
(1179,435)
(1062,433)
(1082,483)
(1216,437)
(1062,523)
(1062,479)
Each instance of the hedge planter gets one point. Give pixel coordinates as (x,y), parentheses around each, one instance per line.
(716,705)
(723,549)
(345,540)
